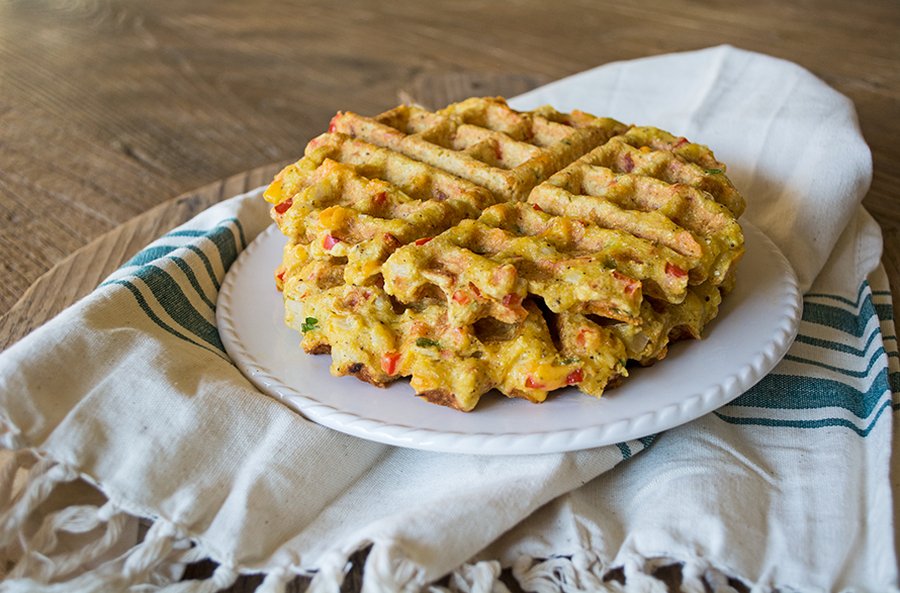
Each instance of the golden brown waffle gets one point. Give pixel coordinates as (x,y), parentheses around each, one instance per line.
(489,266)
(484,141)
(348,198)
(448,365)
(412,251)
(640,191)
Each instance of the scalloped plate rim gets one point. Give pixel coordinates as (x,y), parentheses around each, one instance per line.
(693,405)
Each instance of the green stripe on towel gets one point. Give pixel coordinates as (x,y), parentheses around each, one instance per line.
(223,238)
(777,393)
(145,256)
(839,346)
(192,278)
(790,392)
(206,264)
(855,374)
(818,423)
(834,297)
(142,303)
(227,237)
(840,319)
(176,303)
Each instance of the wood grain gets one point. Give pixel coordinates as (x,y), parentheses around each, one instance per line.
(81,272)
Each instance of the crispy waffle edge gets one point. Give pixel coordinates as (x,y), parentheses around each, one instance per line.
(398,134)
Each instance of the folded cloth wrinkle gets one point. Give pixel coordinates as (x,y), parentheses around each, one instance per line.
(786,488)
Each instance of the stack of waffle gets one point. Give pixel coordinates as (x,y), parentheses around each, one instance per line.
(478,248)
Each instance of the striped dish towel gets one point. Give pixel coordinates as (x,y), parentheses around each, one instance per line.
(130,396)
(789,487)
(185,296)
(837,367)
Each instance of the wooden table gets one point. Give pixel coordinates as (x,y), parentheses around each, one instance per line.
(110,109)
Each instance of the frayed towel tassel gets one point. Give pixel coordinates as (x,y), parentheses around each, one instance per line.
(113,575)
(582,572)
(8,471)
(42,480)
(482,577)
(8,474)
(692,580)
(332,569)
(386,570)
(585,572)
(718,582)
(699,577)
(276,581)
(637,579)
(38,563)
(221,578)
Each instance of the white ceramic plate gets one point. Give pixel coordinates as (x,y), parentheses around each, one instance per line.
(756,325)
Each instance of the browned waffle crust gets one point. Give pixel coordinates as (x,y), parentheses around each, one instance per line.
(478,247)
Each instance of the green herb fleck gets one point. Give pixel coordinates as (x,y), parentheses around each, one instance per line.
(477,354)
(714,171)
(427,343)
(309,324)
(569,360)
(623,362)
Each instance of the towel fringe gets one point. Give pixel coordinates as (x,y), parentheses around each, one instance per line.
(43,478)
(30,551)
(330,573)
(146,566)
(481,577)
(586,572)
(692,578)
(639,579)
(386,570)
(31,561)
(37,560)
(276,581)
(583,571)
(149,554)
(222,577)
(8,472)
(718,582)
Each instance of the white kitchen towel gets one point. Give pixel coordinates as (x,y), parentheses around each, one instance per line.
(786,488)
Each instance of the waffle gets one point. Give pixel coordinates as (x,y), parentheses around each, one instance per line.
(484,141)
(489,266)
(654,195)
(478,248)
